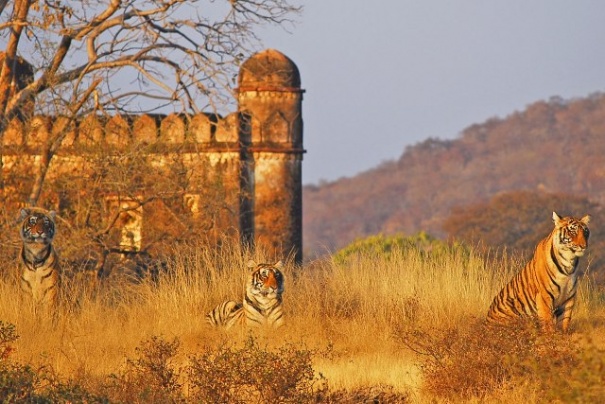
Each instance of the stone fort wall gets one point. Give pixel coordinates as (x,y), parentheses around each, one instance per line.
(238,175)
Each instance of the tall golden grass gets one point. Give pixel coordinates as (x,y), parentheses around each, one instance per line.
(359,311)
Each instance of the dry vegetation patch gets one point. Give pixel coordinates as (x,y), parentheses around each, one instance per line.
(406,327)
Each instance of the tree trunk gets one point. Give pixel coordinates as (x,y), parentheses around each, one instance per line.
(7,71)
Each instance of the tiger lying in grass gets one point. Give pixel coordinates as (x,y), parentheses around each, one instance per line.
(262,304)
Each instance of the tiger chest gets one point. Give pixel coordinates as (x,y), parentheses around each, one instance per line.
(564,287)
(38,281)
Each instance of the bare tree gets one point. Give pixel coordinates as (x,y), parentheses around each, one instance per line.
(119,57)
(171,51)
(128,56)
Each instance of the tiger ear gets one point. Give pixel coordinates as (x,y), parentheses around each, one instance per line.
(23,213)
(585,219)
(556,218)
(279,264)
(52,214)
(251,264)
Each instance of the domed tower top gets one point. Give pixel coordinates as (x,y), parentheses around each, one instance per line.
(269,70)
(270,103)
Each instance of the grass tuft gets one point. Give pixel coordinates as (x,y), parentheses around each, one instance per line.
(405,326)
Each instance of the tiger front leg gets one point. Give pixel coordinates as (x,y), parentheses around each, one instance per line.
(563,314)
(545,313)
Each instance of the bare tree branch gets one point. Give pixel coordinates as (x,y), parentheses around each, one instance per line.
(125,56)
(20,11)
(167,45)
(3,5)
(54,144)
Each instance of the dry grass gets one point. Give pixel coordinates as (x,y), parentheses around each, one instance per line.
(374,325)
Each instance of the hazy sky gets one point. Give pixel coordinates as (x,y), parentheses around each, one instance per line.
(382,75)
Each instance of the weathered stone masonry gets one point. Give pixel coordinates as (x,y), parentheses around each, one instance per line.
(255,153)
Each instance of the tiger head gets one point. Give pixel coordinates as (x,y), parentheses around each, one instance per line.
(266,280)
(37,225)
(572,233)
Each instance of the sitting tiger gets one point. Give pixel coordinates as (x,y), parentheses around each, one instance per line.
(262,305)
(546,287)
(39,259)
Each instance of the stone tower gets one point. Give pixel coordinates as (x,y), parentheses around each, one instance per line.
(270,101)
(240,176)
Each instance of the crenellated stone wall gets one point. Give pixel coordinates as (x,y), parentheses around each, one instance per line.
(238,175)
(200,131)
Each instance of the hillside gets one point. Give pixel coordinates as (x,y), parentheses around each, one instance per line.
(555,146)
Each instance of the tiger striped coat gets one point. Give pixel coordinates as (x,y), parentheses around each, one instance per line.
(262,304)
(546,288)
(38,258)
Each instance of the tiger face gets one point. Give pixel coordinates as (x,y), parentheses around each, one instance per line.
(266,280)
(37,226)
(572,234)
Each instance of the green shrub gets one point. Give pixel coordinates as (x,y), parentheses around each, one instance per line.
(254,374)
(151,377)
(70,392)
(578,379)
(17,383)
(481,360)
(24,384)
(385,246)
(8,335)
(227,374)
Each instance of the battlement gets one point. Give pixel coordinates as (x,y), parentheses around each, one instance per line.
(239,174)
(166,132)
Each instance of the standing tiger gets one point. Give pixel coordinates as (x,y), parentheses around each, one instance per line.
(262,305)
(546,287)
(39,259)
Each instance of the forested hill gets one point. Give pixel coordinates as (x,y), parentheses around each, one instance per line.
(556,146)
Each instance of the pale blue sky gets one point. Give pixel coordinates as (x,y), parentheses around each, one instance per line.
(382,75)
